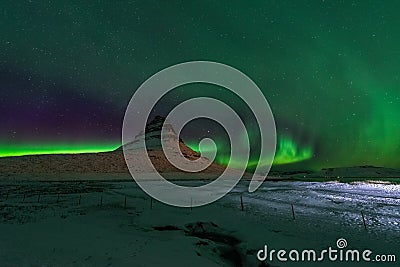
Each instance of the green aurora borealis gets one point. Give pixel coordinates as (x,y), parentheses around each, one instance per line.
(67,148)
(287,152)
(329,69)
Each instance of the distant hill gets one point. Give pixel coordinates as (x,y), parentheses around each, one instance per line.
(110,162)
(342,172)
(114,162)
(360,171)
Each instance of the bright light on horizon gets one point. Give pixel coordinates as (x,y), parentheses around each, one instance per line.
(46,149)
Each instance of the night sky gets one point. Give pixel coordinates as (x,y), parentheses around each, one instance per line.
(329,69)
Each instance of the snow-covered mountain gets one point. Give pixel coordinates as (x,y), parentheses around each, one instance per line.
(114,161)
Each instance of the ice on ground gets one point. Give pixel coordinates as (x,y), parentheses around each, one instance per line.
(87,223)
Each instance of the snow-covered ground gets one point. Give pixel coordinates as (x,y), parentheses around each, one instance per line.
(87,224)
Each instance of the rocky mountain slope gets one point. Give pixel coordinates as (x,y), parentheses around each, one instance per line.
(108,162)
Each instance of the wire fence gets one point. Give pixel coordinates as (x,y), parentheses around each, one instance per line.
(107,198)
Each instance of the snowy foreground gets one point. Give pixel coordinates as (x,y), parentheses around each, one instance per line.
(88,224)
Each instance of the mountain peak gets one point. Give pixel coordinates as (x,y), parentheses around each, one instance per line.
(152,137)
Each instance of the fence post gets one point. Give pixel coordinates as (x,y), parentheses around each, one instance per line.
(294,217)
(241,202)
(7,195)
(79,201)
(365,225)
(125,203)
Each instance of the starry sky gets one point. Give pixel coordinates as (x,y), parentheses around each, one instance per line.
(329,69)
